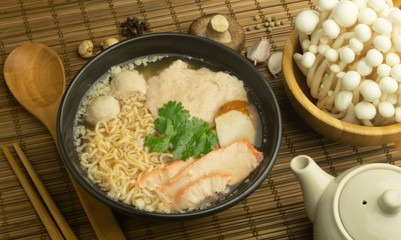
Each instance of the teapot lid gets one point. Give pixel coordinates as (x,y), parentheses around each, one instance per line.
(370,203)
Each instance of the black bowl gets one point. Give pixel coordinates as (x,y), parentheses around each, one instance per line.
(172,44)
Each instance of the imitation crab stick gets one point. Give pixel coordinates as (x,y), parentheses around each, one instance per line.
(236,160)
(157,178)
(200,190)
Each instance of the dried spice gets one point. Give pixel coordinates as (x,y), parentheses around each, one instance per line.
(268,23)
(132,27)
(85,49)
(108,42)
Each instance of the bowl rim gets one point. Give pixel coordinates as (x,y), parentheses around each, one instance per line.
(290,48)
(129,209)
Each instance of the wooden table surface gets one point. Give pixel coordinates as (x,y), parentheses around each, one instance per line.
(274,211)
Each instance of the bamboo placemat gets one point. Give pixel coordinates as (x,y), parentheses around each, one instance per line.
(275,211)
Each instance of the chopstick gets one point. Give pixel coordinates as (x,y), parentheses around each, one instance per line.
(44,215)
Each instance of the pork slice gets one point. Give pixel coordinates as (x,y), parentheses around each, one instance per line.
(236,160)
(196,192)
(159,177)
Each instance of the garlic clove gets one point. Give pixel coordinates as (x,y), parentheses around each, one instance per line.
(85,49)
(259,51)
(274,63)
(108,42)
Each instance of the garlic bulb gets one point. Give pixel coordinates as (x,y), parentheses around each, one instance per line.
(274,63)
(259,51)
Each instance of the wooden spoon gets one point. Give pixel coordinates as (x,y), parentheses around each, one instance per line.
(35,75)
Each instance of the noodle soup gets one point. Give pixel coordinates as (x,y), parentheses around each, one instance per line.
(118,114)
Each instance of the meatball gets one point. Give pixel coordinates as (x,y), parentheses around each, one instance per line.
(128,83)
(102,108)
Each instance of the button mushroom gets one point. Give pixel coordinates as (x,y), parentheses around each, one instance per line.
(331,28)
(351,80)
(367,16)
(374,58)
(221,28)
(345,13)
(396,72)
(383,70)
(386,109)
(307,21)
(365,111)
(343,100)
(370,90)
(397,114)
(392,59)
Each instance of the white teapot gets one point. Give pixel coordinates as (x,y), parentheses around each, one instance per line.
(362,203)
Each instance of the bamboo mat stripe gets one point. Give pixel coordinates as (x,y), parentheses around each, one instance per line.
(274,211)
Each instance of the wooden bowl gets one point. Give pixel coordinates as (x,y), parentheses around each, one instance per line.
(299,95)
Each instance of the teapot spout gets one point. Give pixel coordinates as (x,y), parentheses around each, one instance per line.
(313,181)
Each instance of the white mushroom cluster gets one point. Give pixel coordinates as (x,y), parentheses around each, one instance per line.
(351,59)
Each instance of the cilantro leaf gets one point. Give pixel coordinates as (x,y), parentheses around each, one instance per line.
(174,112)
(156,144)
(183,136)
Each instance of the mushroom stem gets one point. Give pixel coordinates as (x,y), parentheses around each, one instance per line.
(399,100)
(316,36)
(315,84)
(355,98)
(341,39)
(312,70)
(218,28)
(302,36)
(298,61)
(324,14)
(339,115)
(321,103)
(326,85)
(367,46)
(350,115)
(334,69)
(396,31)
(330,100)
(378,120)
(366,122)
(388,121)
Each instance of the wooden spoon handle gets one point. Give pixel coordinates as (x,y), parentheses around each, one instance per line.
(100,216)
(35,75)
